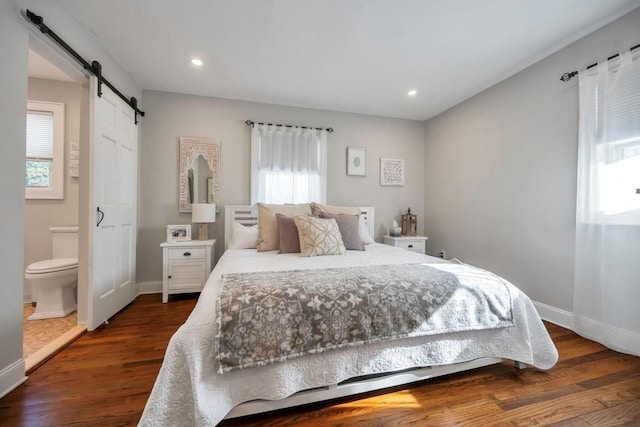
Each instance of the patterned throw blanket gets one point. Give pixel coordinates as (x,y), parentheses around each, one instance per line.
(268,317)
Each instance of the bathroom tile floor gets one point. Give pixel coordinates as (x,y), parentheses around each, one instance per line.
(38,333)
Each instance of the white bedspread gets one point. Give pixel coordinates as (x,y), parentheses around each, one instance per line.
(188,391)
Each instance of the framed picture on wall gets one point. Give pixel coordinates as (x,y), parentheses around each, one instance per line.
(356,161)
(178,233)
(392,172)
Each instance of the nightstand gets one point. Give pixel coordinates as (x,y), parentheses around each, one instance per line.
(186,266)
(411,243)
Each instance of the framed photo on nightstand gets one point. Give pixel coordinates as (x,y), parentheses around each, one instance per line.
(178,233)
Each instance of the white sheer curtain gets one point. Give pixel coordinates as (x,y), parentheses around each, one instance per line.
(607,267)
(288,164)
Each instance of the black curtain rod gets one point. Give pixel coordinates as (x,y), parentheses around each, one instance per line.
(94,68)
(252,123)
(568,76)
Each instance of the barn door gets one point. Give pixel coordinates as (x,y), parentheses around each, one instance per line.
(114,184)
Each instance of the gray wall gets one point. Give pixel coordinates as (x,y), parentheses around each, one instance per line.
(13,87)
(170,116)
(500,171)
(40,215)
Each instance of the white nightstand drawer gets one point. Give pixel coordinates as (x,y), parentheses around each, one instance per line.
(412,245)
(416,244)
(187,253)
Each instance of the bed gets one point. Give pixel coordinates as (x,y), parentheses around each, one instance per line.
(190,391)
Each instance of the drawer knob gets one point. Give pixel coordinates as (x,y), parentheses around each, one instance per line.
(410,246)
(187,254)
(169,277)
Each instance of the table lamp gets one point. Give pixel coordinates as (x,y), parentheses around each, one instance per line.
(203,214)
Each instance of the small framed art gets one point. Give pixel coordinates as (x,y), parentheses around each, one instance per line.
(178,233)
(392,172)
(356,161)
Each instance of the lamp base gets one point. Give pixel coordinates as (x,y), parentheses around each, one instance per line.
(203,232)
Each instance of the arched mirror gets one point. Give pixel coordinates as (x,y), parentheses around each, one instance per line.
(200,181)
(199,172)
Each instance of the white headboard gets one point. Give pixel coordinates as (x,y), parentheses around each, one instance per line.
(248,215)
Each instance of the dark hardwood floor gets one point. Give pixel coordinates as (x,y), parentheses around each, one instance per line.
(104,379)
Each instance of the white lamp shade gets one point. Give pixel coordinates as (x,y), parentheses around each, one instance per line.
(203,212)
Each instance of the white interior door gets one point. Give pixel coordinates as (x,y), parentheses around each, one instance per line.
(114,183)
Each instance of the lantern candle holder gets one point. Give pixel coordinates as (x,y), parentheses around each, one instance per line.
(409,224)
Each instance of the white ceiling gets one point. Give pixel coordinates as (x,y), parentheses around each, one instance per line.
(41,68)
(347,55)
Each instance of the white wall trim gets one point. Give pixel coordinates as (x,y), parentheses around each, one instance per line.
(615,338)
(554,315)
(154,287)
(11,377)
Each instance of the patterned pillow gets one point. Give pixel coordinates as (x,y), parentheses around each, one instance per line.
(319,236)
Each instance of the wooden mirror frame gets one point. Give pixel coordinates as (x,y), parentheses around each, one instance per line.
(190,149)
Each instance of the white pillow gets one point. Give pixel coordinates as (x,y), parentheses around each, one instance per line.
(364,233)
(244,237)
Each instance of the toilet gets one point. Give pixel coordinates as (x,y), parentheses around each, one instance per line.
(54,280)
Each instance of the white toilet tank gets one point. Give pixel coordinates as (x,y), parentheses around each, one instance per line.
(65,242)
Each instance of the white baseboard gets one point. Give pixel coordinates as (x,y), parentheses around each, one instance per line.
(615,338)
(554,315)
(11,377)
(154,287)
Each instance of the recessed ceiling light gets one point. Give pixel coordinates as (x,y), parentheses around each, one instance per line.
(196,61)
(412,92)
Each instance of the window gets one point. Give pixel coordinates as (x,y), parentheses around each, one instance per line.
(619,176)
(609,151)
(44,166)
(289,164)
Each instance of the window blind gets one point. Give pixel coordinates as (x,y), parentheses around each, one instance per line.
(39,135)
(618,110)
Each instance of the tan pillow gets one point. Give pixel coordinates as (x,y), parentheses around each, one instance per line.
(306,206)
(319,236)
(316,208)
(268,237)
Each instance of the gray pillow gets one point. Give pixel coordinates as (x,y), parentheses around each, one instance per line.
(288,232)
(349,226)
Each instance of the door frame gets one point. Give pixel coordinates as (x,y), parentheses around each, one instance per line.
(86,217)
(58,58)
